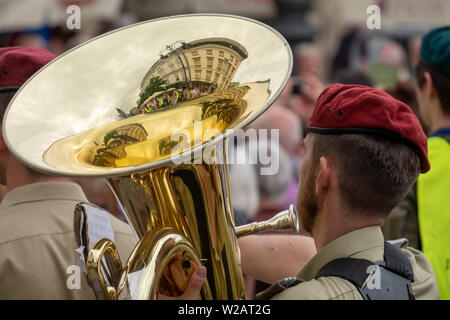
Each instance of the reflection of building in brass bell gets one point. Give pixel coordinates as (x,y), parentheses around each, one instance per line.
(187,71)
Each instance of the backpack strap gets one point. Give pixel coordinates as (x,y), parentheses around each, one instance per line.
(278,287)
(395,275)
(353,270)
(397,262)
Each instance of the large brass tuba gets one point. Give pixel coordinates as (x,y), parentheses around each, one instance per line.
(150,107)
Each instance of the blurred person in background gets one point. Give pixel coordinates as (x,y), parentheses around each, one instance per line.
(290,131)
(414,44)
(424,215)
(30,39)
(351,54)
(388,63)
(406,91)
(391,53)
(244,187)
(349,76)
(37,241)
(307,84)
(272,188)
(272,192)
(308,59)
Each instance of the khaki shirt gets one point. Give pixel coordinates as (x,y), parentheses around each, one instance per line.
(37,242)
(366,243)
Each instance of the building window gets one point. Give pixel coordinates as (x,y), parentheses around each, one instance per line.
(197,62)
(208,75)
(231,58)
(209,52)
(194,53)
(221,53)
(198,74)
(210,62)
(219,64)
(216,78)
(228,68)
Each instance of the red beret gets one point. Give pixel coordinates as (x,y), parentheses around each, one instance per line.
(359,109)
(18,64)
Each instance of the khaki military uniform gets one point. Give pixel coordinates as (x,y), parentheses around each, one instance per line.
(37,242)
(366,243)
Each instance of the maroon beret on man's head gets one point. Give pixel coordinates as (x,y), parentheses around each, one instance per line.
(18,64)
(359,109)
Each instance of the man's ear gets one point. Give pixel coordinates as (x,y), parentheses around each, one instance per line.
(324,175)
(428,84)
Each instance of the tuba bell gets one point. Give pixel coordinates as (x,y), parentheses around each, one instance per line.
(151,107)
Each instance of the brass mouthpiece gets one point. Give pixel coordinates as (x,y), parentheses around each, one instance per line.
(284,220)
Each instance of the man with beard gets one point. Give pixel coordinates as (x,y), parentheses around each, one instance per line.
(364,150)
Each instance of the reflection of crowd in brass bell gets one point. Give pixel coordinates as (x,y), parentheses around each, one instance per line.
(169,98)
(115,141)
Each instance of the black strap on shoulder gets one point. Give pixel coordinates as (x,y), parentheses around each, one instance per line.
(353,270)
(278,287)
(395,272)
(397,262)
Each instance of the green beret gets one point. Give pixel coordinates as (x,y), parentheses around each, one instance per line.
(435,50)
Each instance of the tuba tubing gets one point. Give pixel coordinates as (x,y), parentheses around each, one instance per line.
(105,283)
(163,247)
(284,220)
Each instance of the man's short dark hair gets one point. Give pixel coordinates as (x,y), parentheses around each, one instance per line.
(440,82)
(375,172)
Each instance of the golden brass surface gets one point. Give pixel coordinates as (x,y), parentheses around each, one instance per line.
(146,138)
(284,220)
(104,289)
(116,106)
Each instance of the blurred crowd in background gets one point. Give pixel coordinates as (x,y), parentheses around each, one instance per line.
(330,41)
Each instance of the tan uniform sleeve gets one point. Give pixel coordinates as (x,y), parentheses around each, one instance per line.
(326,288)
(424,285)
